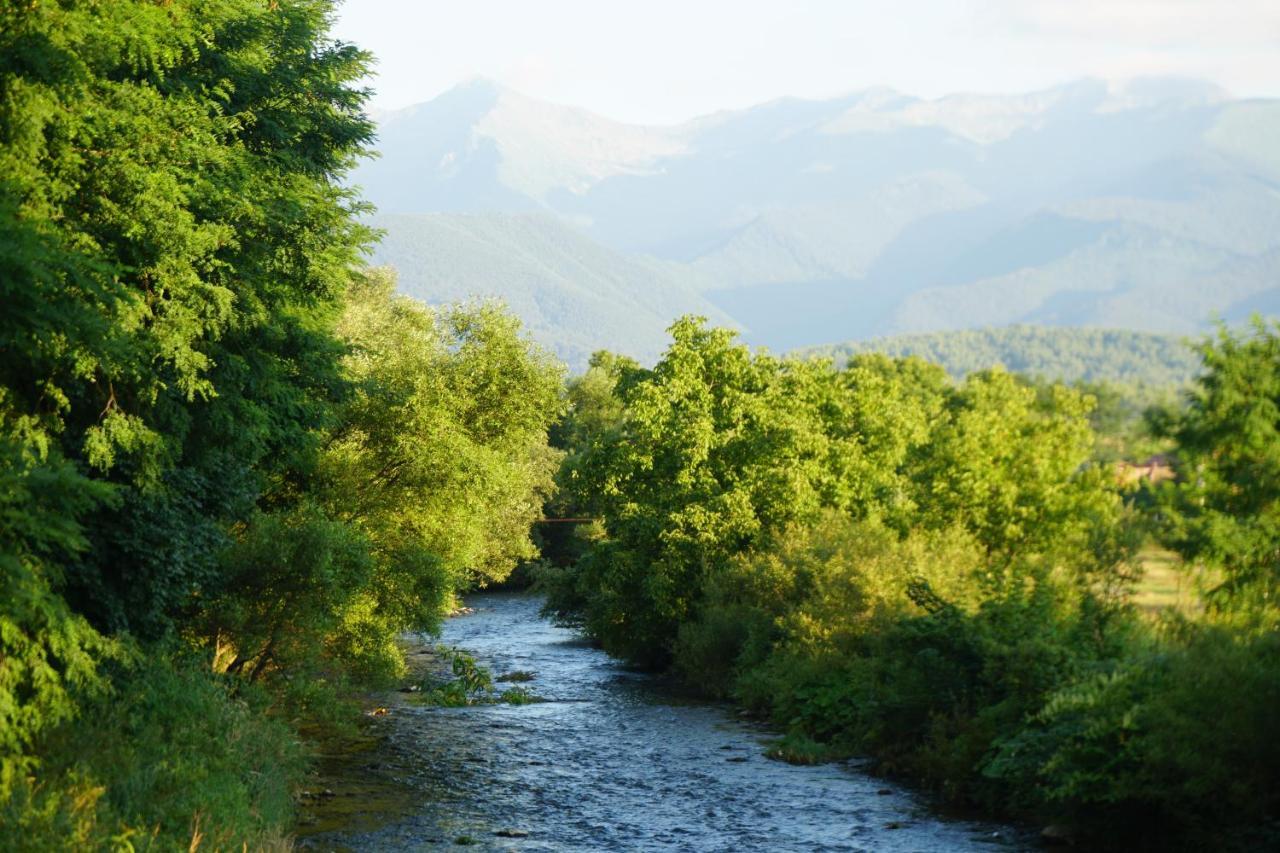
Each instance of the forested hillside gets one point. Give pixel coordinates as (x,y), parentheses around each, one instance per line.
(234,466)
(1069,355)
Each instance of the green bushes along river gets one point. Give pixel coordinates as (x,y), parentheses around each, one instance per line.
(235,467)
(940,575)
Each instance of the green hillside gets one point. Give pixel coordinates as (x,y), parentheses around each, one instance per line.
(574,295)
(1088,355)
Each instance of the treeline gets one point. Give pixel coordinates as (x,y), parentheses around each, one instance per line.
(886,562)
(1127,373)
(234,467)
(1117,356)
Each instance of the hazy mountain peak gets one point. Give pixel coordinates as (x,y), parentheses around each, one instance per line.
(546,146)
(1149,92)
(980,118)
(880,97)
(1147,202)
(540,146)
(465,102)
(480,83)
(987,118)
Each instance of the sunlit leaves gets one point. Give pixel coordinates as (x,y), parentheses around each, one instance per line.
(443,443)
(1226,510)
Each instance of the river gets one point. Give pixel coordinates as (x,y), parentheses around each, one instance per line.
(611,760)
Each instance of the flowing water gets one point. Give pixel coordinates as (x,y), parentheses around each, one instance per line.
(610,761)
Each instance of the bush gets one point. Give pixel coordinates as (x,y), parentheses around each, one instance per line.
(915,650)
(1177,738)
(171,756)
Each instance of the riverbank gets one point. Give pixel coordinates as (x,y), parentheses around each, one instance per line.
(609,760)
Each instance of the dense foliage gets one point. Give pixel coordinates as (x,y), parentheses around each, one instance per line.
(235,467)
(1127,373)
(1227,509)
(937,573)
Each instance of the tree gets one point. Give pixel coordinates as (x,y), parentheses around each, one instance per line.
(174,239)
(716,450)
(1012,468)
(1224,510)
(440,459)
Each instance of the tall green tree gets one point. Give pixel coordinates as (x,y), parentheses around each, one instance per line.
(1012,466)
(440,459)
(1225,509)
(174,240)
(716,450)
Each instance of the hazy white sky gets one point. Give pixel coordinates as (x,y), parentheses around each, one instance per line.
(662,61)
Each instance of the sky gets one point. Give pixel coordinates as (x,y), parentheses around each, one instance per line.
(665,61)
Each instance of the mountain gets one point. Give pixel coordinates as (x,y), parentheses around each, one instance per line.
(1152,205)
(574,295)
(482,148)
(1089,355)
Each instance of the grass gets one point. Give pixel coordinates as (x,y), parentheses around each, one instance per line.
(796,748)
(517,676)
(1167,583)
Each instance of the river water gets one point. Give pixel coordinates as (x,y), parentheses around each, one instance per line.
(610,761)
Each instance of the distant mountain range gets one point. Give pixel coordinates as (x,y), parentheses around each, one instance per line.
(1150,205)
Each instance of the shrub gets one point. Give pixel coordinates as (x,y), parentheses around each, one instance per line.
(1177,741)
(173,753)
(915,650)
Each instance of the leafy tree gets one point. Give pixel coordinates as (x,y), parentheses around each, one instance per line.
(1013,468)
(593,409)
(440,460)
(718,449)
(1226,508)
(172,169)
(443,445)
(683,480)
(50,654)
(174,241)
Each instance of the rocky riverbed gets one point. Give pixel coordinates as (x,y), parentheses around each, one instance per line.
(608,760)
